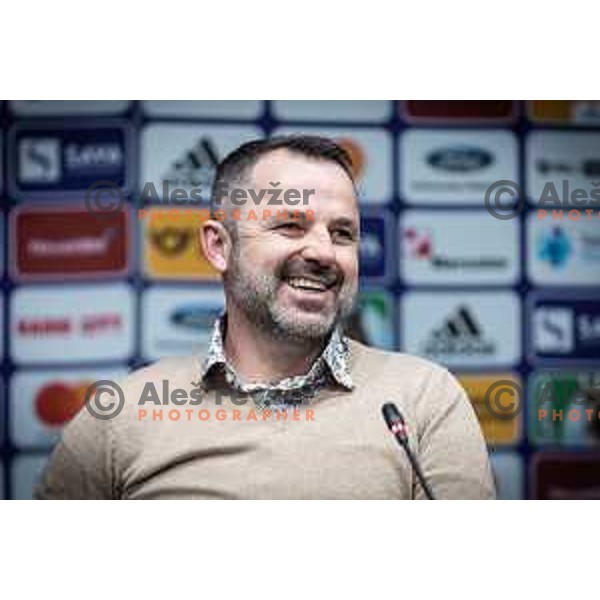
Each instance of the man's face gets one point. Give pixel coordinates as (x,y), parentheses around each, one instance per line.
(297,278)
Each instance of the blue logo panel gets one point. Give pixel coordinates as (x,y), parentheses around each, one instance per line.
(565,328)
(375,248)
(67,159)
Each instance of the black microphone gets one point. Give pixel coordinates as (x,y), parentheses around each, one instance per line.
(395,422)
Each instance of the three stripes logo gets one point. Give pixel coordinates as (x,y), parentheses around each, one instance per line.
(195,167)
(461,334)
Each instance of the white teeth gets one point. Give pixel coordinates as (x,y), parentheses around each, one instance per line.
(301,282)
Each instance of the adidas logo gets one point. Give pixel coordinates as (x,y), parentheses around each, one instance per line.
(460,334)
(196,168)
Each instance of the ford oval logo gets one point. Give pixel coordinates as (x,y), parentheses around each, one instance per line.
(460,159)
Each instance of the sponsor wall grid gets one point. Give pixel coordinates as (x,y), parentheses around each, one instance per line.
(267,118)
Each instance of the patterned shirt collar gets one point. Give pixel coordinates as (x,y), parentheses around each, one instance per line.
(334,360)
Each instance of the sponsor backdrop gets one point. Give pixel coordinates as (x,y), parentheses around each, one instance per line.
(88,296)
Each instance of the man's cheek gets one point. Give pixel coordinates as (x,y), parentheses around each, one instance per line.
(351,270)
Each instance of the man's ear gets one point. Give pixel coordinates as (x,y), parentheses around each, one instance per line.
(216,244)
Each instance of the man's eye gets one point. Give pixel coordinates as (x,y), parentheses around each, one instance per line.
(343,235)
(290,227)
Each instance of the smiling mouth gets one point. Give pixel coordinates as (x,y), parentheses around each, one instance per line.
(309,285)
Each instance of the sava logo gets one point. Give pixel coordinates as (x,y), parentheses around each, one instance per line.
(70,159)
(567,328)
(554,330)
(39,160)
(460,159)
(461,334)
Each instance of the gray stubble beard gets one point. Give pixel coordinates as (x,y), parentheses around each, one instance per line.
(256,297)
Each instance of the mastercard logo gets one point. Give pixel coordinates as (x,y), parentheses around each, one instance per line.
(357,156)
(56,403)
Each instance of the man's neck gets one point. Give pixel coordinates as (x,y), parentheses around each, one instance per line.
(262,358)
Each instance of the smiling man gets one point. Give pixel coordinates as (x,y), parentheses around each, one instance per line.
(302,403)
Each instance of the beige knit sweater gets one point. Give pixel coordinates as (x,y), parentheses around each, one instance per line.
(336,447)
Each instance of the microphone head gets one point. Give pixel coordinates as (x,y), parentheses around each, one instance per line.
(394,420)
(391,414)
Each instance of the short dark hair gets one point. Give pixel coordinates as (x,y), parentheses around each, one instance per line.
(236,165)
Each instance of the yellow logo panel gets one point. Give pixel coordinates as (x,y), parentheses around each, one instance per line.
(495,430)
(172,247)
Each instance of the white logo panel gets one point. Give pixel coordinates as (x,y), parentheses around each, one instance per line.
(454,166)
(458,329)
(443,247)
(185,156)
(563,169)
(71,324)
(563,252)
(43,402)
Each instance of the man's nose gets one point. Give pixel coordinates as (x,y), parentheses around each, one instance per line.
(318,246)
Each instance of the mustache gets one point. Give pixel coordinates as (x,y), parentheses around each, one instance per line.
(328,276)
